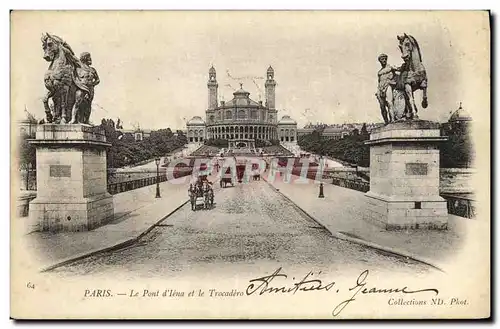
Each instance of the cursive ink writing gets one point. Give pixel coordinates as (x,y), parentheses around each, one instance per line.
(306,284)
(361,287)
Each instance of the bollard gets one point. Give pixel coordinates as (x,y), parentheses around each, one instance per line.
(321,195)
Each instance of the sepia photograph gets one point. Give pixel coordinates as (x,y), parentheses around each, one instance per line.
(231,164)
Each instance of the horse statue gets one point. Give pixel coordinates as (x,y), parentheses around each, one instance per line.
(412,77)
(67,91)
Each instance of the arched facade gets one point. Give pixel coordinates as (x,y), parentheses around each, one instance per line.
(237,133)
(196,130)
(287,130)
(241,121)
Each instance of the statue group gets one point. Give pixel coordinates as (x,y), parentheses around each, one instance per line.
(70,82)
(396,85)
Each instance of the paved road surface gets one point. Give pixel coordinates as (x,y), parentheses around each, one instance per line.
(250,229)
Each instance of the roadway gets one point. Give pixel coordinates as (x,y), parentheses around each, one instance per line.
(250,228)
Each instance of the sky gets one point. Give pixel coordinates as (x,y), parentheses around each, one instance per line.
(153,65)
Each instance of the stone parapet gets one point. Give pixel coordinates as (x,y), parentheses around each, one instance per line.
(406,213)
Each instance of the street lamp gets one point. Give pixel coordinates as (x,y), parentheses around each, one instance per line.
(157,161)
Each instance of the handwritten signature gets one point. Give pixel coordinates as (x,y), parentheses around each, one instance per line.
(263,285)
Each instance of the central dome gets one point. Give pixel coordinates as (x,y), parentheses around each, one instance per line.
(241,99)
(287,120)
(460,115)
(196,121)
(241,92)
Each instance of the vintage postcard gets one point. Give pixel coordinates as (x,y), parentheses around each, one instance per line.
(250,165)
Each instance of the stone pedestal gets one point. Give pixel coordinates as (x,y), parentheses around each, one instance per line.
(404,176)
(71,178)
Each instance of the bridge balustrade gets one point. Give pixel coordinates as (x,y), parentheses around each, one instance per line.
(120,187)
(462,206)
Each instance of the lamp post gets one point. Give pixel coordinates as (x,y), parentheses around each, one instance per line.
(157,161)
(321,195)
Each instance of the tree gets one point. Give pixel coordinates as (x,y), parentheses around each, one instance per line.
(125,150)
(364,131)
(349,149)
(457,151)
(112,138)
(27,157)
(311,142)
(27,152)
(181,138)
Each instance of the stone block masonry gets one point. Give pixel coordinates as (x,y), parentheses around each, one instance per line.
(404,177)
(71,178)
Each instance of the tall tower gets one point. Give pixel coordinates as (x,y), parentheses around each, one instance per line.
(212,89)
(270,89)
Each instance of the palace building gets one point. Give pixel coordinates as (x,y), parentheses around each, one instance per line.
(241,121)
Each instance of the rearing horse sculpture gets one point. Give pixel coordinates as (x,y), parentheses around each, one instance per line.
(412,75)
(61,81)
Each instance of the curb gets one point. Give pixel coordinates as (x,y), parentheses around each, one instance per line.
(365,243)
(119,245)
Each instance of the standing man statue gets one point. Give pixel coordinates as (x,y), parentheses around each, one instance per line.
(87,80)
(386,83)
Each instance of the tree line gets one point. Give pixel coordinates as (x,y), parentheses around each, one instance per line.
(349,149)
(126,151)
(456,152)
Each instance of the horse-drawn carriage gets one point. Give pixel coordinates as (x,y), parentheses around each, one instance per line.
(226,178)
(256,174)
(201,194)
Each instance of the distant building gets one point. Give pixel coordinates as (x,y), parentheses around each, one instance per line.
(241,121)
(459,122)
(27,126)
(183,131)
(336,131)
(138,133)
(287,129)
(196,130)
(304,131)
(458,151)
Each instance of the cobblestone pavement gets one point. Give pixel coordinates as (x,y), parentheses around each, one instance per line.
(250,229)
